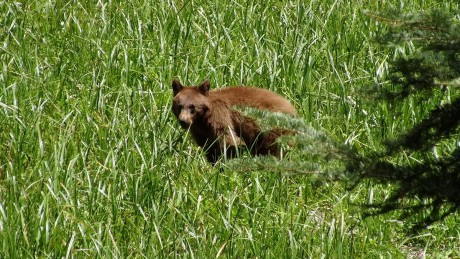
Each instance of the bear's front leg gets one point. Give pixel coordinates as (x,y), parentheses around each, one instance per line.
(215,152)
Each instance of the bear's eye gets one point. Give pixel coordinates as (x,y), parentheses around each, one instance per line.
(192,109)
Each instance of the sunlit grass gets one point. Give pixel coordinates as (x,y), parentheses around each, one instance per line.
(92,162)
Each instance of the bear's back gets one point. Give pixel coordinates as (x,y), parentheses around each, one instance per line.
(253,97)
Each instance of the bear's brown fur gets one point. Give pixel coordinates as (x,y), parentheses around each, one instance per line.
(218,128)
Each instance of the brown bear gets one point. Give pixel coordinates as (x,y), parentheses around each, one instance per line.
(218,128)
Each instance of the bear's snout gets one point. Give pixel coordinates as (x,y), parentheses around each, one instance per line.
(185,120)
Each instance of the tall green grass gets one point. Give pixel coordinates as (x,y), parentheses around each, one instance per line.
(92,163)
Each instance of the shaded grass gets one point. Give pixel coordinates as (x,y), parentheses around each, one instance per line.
(93,164)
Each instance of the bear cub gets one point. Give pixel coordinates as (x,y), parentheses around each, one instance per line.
(218,128)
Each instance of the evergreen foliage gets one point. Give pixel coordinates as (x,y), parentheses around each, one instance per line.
(313,151)
(428,189)
(426,186)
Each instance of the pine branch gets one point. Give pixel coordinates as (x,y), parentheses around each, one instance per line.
(308,152)
(434,179)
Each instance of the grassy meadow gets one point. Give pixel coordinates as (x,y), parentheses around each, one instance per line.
(93,163)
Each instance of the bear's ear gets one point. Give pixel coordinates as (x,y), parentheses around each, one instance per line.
(176,86)
(204,87)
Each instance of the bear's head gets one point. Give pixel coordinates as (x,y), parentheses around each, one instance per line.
(190,103)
